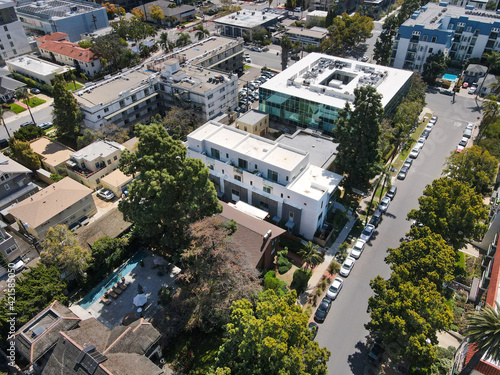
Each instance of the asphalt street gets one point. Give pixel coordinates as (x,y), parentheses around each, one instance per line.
(343,332)
(13,123)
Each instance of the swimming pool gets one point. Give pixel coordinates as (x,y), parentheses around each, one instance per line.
(111,280)
(450,77)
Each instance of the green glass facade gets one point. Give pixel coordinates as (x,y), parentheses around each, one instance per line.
(289,109)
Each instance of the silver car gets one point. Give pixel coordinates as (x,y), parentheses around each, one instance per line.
(347,266)
(335,287)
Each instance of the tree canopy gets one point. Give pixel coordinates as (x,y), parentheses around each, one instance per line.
(63,251)
(346,32)
(180,122)
(435,65)
(113,51)
(270,337)
(21,152)
(67,113)
(474,166)
(28,133)
(170,190)
(452,209)
(358,135)
(383,45)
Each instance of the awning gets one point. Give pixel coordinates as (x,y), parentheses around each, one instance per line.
(276,219)
(130,106)
(290,224)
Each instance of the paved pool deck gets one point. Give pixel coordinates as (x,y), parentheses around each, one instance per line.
(151,279)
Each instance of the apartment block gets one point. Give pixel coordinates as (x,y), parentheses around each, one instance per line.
(13,41)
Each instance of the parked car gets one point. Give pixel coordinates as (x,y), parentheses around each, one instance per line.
(367,232)
(18,264)
(335,287)
(392,192)
(470,126)
(414,152)
(365,58)
(472,90)
(358,248)
(403,172)
(45,125)
(347,266)
(465,85)
(313,328)
(322,310)
(4,144)
(27,123)
(425,133)
(467,133)
(376,218)
(105,194)
(462,144)
(384,204)
(408,162)
(429,127)
(35,91)
(421,142)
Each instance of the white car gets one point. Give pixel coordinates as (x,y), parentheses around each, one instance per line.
(335,287)
(470,126)
(384,204)
(429,127)
(18,264)
(358,248)
(347,266)
(421,142)
(472,90)
(414,153)
(433,120)
(105,194)
(462,144)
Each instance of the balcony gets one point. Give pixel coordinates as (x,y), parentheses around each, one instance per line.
(84,172)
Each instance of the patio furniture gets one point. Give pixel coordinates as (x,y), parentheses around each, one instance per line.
(112,294)
(117,290)
(140,300)
(121,285)
(123,281)
(105,300)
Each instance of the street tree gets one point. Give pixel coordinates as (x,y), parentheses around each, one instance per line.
(179,123)
(2,112)
(113,52)
(21,152)
(165,44)
(23,96)
(358,134)
(63,251)
(169,191)
(66,114)
(491,110)
(474,165)
(425,255)
(28,133)
(286,46)
(215,275)
(201,32)
(483,331)
(435,65)
(310,255)
(270,337)
(34,291)
(406,316)
(347,31)
(183,40)
(383,45)
(156,13)
(453,209)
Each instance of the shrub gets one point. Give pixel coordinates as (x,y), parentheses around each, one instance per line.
(273,283)
(300,279)
(333,267)
(284,269)
(282,262)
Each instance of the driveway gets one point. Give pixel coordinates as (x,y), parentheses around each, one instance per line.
(343,332)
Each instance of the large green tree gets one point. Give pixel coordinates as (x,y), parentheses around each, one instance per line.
(406,315)
(358,135)
(286,44)
(270,337)
(425,255)
(215,275)
(67,113)
(453,209)
(28,133)
(113,52)
(435,65)
(474,165)
(33,292)
(169,191)
(21,152)
(63,251)
(483,330)
(383,45)
(346,32)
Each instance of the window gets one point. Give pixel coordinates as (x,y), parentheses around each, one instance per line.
(122,103)
(287,178)
(290,215)
(210,113)
(469,29)
(320,216)
(424,38)
(245,128)
(433,40)
(106,110)
(210,105)
(242,163)
(210,96)
(7,187)
(256,166)
(430,50)
(237,177)
(109,161)
(97,165)
(235,192)
(264,206)
(215,153)
(11,249)
(222,89)
(97,181)
(115,157)
(267,189)
(272,175)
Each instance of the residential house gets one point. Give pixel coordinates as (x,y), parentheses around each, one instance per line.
(64,202)
(257,239)
(64,52)
(15,182)
(53,154)
(12,247)
(8,86)
(274,177)
(92,348)
(117,182)
(474,72)
(13,40)
(254,122)
(91,163)
(484,84)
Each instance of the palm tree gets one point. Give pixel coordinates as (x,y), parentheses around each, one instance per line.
(2,110)
(491,110)
(286,45)
(495,87)
(164,43)
(492,61)
(202,32)
(483,330)
(309,254)
(183,40)
(22,94)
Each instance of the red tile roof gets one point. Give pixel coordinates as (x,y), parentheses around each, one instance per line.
(69,49)
(53,36)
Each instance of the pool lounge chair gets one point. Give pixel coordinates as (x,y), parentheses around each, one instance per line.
(105,300)
(112,294)
(122,285)
(117,290)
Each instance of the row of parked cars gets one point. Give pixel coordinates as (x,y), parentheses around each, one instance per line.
(250,93)
(465,137)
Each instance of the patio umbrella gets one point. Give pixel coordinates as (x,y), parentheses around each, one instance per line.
(140,300)
(130,318)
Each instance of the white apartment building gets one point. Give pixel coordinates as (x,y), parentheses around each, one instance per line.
(93,162)
(13,41)
(271,176)
(124,99)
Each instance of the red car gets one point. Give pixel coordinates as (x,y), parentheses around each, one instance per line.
(465,85)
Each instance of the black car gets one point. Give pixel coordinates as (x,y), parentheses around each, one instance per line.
(4,143)
(376,218)
(402,173)
(376,352)
(425,133)
(28,123)
(323,309)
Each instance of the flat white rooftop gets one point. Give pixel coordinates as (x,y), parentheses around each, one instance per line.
(314,181)
(40,67)
(247,18)
(96,149)
(331,80)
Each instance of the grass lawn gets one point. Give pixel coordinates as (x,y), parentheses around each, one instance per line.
(33,101)
(71,86)
(247,66)
(16,108)
(461,260)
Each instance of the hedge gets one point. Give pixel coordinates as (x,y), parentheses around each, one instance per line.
(47,89)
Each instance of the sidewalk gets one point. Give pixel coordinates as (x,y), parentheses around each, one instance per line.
(11,117)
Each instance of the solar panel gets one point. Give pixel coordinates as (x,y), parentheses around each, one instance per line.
(89,358)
